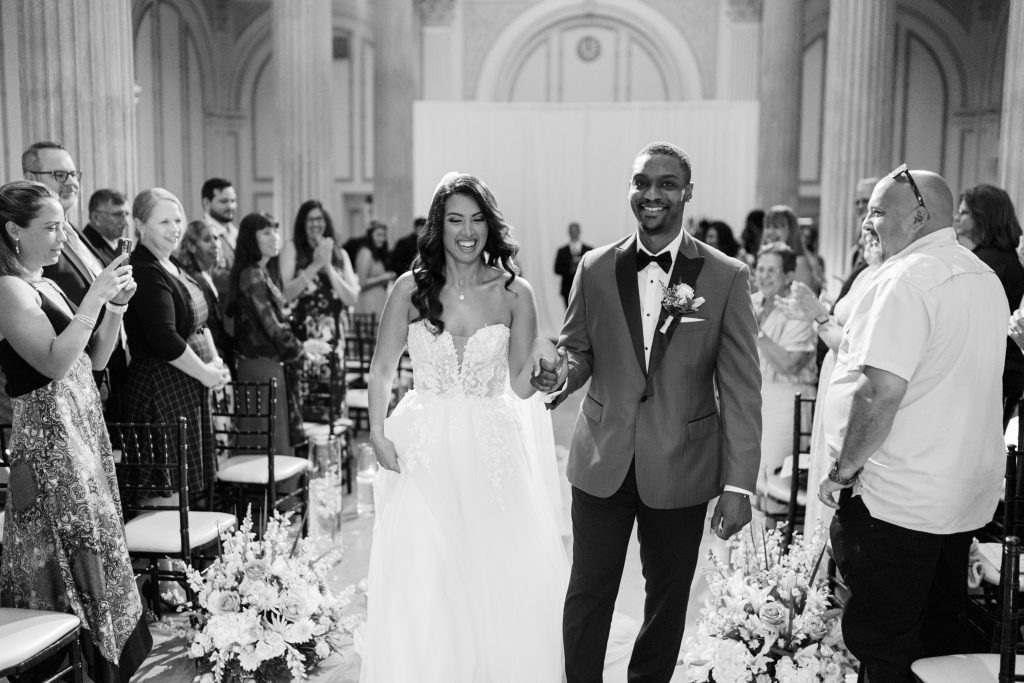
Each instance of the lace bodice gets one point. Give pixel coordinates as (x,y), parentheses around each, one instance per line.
(482,372)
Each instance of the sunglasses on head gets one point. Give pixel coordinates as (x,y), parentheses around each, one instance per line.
(903,170)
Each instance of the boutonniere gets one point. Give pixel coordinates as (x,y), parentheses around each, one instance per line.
(679,300)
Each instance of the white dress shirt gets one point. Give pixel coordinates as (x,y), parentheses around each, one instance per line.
(651,283)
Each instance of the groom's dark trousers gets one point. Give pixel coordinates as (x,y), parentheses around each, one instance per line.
(669,541)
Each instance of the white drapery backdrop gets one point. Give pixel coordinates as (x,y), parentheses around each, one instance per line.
(551,164)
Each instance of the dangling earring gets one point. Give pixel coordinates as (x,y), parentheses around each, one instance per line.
(17,246)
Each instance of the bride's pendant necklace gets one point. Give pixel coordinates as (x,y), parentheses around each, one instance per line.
(462,295)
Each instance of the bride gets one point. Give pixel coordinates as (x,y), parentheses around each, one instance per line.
(467,569)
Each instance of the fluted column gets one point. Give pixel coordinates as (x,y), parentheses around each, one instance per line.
(438,54)
(778,156)
(394,91)
(302,60)
(1011,134)
(858,116)
(77,87)
(739,51)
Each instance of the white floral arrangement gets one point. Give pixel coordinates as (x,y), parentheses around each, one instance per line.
(263,610)
(769,619)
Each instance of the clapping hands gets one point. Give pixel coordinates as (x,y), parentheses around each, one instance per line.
(801,304)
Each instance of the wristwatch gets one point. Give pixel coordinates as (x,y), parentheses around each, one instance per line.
(834,476)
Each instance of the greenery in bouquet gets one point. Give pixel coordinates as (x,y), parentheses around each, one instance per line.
(263,611)
(769,618)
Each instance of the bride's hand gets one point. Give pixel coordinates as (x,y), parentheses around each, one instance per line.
(543,349)
(387,456)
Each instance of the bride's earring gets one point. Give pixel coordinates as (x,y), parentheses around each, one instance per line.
(17,246)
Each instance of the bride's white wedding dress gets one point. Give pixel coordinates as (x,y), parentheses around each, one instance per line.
(467,569)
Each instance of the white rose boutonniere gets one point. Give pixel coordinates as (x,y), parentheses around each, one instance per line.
(679,300)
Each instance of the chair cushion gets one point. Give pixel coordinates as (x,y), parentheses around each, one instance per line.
(252,469)
(2,513)
(990,556)
(357,398)
(26,632)
(320,431)
(778,484)
(160,532)
(979,668)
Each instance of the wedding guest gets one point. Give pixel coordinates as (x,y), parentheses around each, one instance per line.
(267,347)
(719,235)
(372,270)
(405,249)
(199,254)
(317,273)
(986,223)
(801,304)
(220,206)
(781,225)
(914,423)
(750,237)
(174,358)
(108,221)
(64,545)
(568,257)
(786,351)
(809,241)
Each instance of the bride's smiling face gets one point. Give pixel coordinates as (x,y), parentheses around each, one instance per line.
(465,228)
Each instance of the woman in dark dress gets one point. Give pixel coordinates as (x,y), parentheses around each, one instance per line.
(199,254)
(986,223)
(64,545)
(174,360)
(320,283)
(267,346)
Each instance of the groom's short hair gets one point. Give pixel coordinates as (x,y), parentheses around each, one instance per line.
(668,149)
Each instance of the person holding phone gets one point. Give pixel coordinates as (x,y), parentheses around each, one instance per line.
(64,544)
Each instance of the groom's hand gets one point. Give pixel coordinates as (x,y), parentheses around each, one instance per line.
(550,375)
(732,513)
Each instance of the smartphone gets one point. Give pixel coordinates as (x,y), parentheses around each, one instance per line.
(124,245)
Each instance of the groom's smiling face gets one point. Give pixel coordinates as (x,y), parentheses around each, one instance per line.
(658,192)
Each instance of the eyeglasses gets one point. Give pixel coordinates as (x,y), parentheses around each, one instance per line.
(903,170)
(60,176)
(116,214)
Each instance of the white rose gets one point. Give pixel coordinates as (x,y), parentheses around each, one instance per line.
(322,649)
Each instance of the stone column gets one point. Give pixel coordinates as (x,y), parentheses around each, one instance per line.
(739,50)
(1011,136)
(778,156)
(77,87)
(438,58)
(395,88)
(302,56)
(858,118)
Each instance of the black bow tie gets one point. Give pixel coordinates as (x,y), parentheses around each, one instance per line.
(643,259)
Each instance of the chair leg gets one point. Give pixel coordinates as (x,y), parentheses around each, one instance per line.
(77,673)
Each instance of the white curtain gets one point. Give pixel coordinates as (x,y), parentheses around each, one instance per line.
(551,164)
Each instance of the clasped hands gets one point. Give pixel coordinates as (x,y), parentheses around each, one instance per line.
(549,366)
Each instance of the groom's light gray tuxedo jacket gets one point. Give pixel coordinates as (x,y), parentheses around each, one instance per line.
(693,417)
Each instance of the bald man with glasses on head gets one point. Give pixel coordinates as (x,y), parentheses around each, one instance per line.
(913,421)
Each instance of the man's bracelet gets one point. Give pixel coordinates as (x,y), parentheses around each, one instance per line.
(825,321)
(116,308)
(834,476)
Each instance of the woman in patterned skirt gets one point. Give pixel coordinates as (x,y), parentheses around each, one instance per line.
(174,360)
(64,545)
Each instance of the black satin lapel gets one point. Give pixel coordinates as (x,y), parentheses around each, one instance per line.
(625,275)
(685,270)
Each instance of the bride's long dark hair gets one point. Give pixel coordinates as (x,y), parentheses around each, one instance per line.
(500,249)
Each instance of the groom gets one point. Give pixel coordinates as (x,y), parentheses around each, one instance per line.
(652,442)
